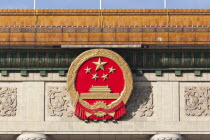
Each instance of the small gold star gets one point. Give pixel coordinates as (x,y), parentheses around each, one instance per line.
(111,70)
(95,76)
(105,76)
(87,70)
(99,64)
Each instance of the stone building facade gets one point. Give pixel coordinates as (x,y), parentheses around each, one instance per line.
(167,51)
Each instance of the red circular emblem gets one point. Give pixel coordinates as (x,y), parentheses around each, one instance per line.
(100,83)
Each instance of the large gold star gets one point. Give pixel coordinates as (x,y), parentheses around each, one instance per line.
(95,76)
(87,70)
(105,76)
(99,64)
(111,70)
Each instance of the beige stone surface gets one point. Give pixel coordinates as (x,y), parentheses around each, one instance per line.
(32,77)
(33,101)
(187,127)
(38,77)
(56,77)
(147,76)
(18,77)
(168,109)
(167,77)
(169,101)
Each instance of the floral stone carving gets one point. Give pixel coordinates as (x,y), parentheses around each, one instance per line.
(141,102)
(32,136)
(59,102)
(8,101)
(167,137)
(197,101)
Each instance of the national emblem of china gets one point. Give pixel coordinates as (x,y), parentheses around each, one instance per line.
(100,83)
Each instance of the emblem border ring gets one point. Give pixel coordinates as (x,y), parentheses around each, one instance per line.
(75,65)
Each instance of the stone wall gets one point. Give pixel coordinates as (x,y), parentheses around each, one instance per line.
(168,103)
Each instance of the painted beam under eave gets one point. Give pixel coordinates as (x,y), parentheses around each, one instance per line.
(105,46)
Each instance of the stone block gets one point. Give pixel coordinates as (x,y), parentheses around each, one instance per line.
(147,77)
(57,77)
(165,77)
(47,77)
(171,77)
(185,76)
(153,77)
(19,77)
(170,101)
(33,101)
(191,77)
(9,77)
(204,76)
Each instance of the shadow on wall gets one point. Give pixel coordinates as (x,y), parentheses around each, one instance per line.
(140,103)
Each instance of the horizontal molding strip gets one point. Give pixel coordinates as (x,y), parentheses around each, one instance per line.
(97,12)
(101,30)
(133,69)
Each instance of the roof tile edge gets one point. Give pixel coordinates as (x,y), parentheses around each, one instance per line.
(104,11)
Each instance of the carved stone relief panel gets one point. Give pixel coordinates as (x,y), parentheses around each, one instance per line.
(59,102)
(194,101)
(197,101)
(141,102)
(8,101)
